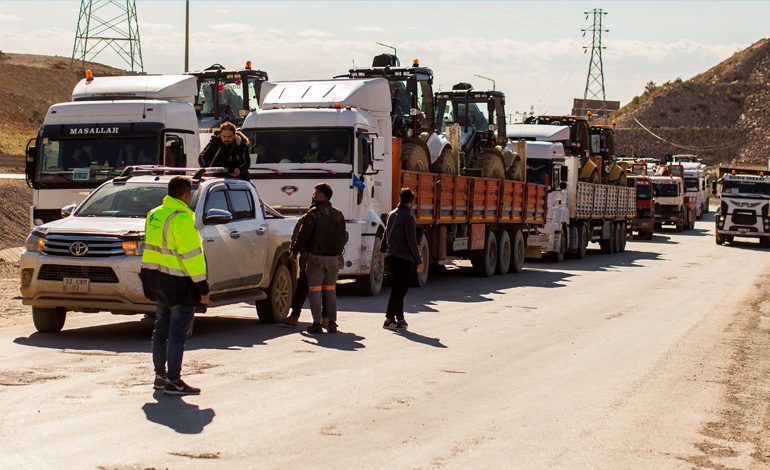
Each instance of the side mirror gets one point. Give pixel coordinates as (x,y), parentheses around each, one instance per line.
(564,174)
(217,216)
(563,185)
(67,210)
(31,152)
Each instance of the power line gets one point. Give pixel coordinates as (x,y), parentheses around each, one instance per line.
(689,147)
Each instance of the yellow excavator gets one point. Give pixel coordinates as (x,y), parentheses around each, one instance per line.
(579,144)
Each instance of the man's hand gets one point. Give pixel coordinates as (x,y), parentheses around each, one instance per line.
(420,267)
(236,172)
(204,299)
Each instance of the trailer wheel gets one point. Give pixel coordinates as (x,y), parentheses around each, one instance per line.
(622,237)
(275,307)
(486,265)
(519,252)
(504,252)
(445,164)
(491,166)
(582,242)
(558,256)
(421,279)
(414,158)
(608,245)
(49,320)
(370,284)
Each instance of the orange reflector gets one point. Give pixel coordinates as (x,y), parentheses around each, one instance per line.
(89,75)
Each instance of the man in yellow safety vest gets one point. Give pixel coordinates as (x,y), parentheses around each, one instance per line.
(173,275)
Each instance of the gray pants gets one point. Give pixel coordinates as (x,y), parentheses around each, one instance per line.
(322,273)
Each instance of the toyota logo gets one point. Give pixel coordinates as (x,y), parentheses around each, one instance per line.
(78,248)
(289,190)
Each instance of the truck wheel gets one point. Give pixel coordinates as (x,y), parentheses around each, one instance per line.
(504,252)
(764,242)
(608,245)
(491,166)
(719,239)
(445,164)
(679,227)
(486,265)
(414,158)
(558,256)
(370,284)
(519,252)
(646,235)
(622,237)
(49,320)
(658,226)
(421,279)
(582,242)
(275,307)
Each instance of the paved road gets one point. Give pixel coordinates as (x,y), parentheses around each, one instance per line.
(600,363)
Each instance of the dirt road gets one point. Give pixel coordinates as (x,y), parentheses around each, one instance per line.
(654,358)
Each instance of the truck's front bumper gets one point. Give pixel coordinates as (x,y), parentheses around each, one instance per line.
(114,283)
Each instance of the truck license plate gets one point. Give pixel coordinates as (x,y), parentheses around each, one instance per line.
(76,285)
(743,230)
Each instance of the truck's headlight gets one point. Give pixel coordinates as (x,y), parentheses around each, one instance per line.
(26,277)
(35,242)
(132,248)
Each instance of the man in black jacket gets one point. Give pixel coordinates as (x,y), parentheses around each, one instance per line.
(322,236)
(228,148)
(401,253)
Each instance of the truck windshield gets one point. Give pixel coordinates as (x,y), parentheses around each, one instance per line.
(223,98)
(92,160)
(665,189)
(311,146)
(123,200)
(691,184)
(746,187)
(458,110)
(537,170)
(643,192)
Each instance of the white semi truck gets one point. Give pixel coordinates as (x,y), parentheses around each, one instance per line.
(111,123)
(744,206)
(578,212)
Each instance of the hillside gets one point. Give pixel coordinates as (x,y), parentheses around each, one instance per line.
(32,83)
(723,112)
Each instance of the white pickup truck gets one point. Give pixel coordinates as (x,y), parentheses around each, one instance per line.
(90,260)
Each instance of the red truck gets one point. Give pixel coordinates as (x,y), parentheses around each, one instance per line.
(644,222)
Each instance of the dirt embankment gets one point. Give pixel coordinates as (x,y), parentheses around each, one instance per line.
(15,201)
(31,84)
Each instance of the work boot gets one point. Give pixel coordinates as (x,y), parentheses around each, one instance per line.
(331,327)
(315,328)
(160,382)
(180,388)
(325,321)
(292,320)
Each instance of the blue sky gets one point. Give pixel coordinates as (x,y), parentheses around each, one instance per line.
(533,50)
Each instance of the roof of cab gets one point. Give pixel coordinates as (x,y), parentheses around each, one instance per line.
(370,94)
(158,87)
(543,132)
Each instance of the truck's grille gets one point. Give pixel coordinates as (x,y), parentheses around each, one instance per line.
(83,246)
(57,272)
(744,218)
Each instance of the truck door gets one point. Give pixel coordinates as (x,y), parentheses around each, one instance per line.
(248,235)
(220,261)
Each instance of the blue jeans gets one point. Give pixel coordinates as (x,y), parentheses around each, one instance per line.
(171,324)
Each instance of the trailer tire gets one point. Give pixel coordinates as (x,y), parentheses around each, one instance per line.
(582,242)
(275,307)
(49,320)
(558,256)
(421,279)
(491,166)
(504,251)
(519,252)
(486,264)
(445,164)
(622,237)
(370,285)
(414,158)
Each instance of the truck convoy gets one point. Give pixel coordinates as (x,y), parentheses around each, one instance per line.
(90,260)
(579,211)
(111,123)
(744,205)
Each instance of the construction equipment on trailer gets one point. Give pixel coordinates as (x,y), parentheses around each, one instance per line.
(576,142)
(484,146)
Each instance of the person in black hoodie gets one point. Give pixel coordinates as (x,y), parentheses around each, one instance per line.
(228,148)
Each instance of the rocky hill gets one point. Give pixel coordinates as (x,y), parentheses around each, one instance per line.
(722,114)
(32,83)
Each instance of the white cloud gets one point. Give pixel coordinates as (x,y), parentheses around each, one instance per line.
(314,33)
(369,29)
(8,18)
(156,27)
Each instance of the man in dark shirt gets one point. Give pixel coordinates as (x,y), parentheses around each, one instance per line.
(401,253)
(322,236)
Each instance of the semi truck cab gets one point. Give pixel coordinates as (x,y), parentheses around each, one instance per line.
(744,208)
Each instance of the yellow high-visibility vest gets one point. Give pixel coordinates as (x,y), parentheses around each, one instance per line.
(172,244)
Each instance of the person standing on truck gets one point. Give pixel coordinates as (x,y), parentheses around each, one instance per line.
(300,294)
(402,256)
(228,148)
(322,236)
(174,275)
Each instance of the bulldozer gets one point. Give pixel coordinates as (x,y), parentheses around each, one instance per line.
(484,147)
(578,145)
(412,114)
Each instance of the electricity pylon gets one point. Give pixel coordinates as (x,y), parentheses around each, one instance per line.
(110,24)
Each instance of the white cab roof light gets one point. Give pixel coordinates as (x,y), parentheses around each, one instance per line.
(371,94)
(543,132)
(158,87)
